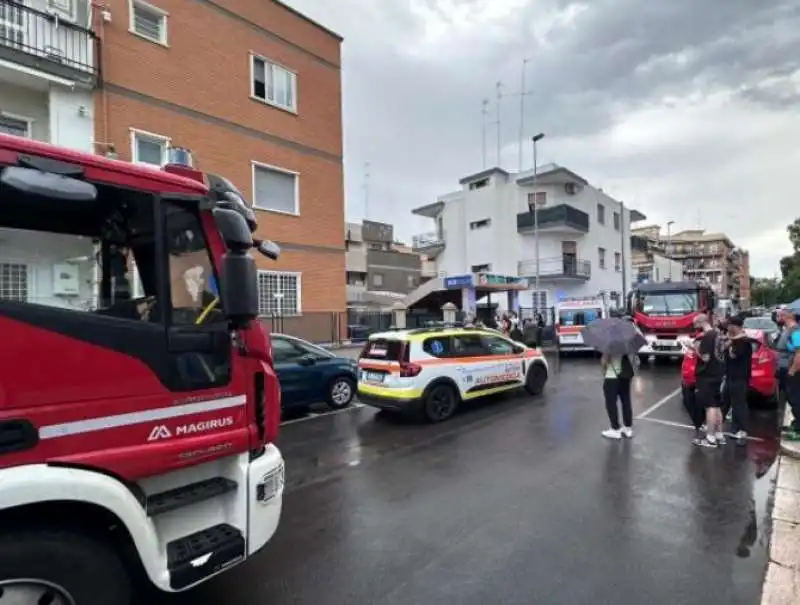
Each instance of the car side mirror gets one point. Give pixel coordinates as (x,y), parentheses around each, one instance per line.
(307,360)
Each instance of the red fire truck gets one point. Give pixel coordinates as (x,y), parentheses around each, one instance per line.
(665,314)
(136,429)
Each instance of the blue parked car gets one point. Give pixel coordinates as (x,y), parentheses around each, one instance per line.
(310,374)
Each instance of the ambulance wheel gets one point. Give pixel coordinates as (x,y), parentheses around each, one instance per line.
(536,379)
(439,402)
(60,568)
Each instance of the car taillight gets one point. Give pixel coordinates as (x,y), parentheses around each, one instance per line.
(409,370)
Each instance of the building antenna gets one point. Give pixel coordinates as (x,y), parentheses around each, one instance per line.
(484,124)
(522,94)
(366,190)
(499,87)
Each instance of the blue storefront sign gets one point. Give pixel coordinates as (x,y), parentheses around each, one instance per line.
(457,282)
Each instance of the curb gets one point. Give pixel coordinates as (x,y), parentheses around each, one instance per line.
(790,449)
(782,579)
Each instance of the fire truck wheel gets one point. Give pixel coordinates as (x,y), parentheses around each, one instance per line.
(60,568)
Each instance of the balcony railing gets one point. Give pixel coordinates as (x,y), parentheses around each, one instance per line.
(562,215)
(432,239)
(47,42)
(563,267)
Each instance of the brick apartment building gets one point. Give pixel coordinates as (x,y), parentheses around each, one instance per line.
(704,255)
(253,89)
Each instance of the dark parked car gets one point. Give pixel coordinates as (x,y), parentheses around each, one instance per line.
(310,374)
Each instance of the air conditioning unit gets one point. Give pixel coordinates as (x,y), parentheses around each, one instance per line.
(66,280)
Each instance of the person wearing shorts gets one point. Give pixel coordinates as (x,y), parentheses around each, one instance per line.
(708,386)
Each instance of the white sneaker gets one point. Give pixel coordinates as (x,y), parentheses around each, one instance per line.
(627,432)
(741,435)
(720,437)
(612,434)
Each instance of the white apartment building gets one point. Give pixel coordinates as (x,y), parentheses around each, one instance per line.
(48,72)
(488,226)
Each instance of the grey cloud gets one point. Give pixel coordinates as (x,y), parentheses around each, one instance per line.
(416,117)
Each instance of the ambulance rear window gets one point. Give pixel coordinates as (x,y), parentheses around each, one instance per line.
(383,348)
(578,317)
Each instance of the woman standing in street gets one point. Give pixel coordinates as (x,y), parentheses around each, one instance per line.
(617,375)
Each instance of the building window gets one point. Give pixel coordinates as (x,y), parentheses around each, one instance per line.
(148,22)
(274,84)
(412,281)
(617,222)
(539,300)
(481,268)
(20,127)
(601,258)
(275,189)
(148,148)
(64,8)
(617,262)
(278,293)
(377,280)
(540,197)
(480,224)
(14,282)
(601,214)
(479,184)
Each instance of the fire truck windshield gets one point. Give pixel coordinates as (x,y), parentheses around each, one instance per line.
(668,303)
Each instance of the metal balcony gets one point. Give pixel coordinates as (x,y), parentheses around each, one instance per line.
(562,218)
(430,244)
(559,267)
(46,42)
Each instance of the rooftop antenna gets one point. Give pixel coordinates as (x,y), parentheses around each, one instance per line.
(366,190)
(522,94)
(485,122)
(499,87)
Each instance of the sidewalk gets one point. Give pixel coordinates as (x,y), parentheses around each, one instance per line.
(782,582)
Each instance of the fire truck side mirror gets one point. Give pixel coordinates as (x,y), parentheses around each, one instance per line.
(234,230)
(239,291)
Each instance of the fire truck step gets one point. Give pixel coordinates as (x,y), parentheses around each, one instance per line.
(203,553)
(188,494)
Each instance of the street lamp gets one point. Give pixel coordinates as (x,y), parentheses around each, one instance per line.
(669,248)
(535,139)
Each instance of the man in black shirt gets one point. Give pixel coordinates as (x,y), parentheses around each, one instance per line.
(739,356)
(709,373)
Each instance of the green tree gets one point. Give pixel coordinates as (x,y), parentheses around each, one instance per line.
(765,291)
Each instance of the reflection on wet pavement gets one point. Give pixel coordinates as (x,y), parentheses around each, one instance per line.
(516,500)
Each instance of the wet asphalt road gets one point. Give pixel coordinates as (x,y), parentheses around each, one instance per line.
(515,501)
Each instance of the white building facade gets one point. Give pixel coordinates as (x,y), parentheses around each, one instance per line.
(48,73)
(488,226)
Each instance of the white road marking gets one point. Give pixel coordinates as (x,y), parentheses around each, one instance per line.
(314,415)
(658,404)
(89,425)
(680,425)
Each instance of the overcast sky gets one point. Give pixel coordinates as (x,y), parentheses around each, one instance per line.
(688,111)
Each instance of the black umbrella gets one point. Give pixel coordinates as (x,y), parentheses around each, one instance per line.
(613,336)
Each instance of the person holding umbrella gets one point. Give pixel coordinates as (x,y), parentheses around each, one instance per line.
(618,341)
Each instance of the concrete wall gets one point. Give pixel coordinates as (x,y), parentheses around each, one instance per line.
(29,104)
(400,272)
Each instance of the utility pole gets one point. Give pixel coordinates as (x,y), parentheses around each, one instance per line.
(499,87)
(535,139)
(485,122)
(622,252)
(668,251)
(522,94)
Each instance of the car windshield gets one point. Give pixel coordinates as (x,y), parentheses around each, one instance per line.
(668,303)
(760,323)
